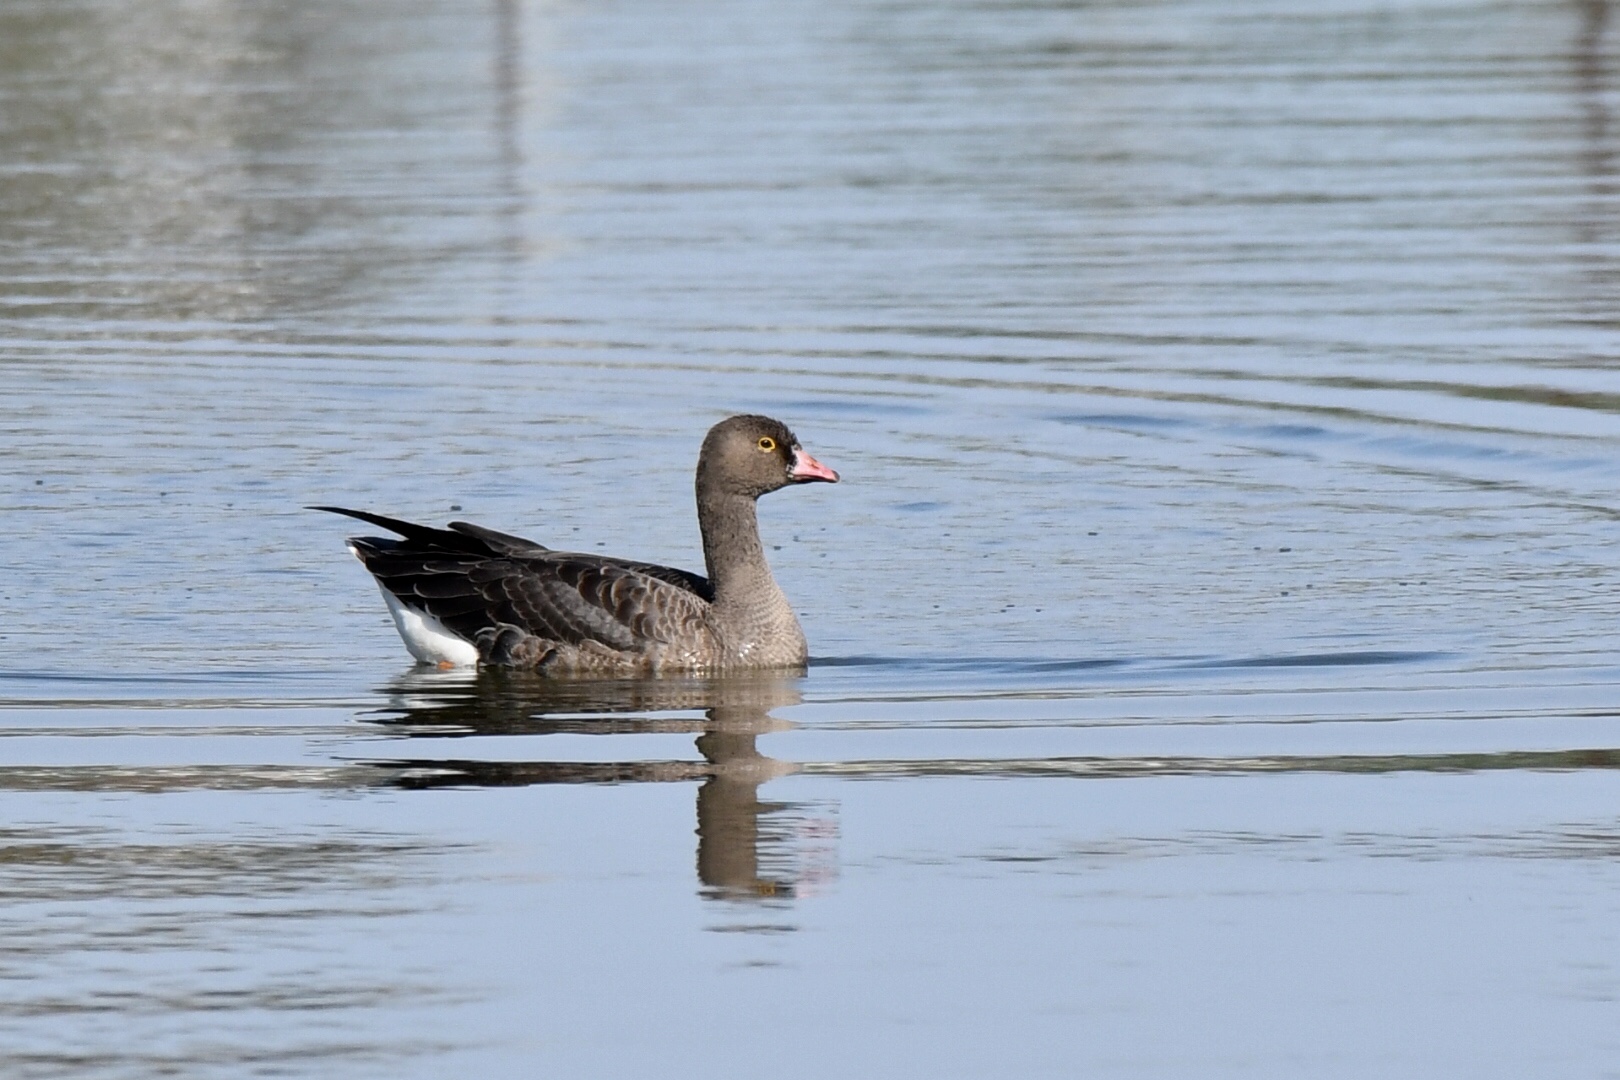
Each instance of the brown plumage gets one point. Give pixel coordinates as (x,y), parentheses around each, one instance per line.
(468,594)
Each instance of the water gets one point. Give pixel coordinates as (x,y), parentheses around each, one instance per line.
(1215,671)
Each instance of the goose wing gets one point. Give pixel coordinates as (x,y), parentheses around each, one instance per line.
(516,600)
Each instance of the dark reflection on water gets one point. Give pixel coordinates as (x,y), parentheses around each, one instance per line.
(1036,667)
(58,863)
(1119,768)
(1338,659)
(1595,225)
(746,845)
(1597,841)
(157,779)
(516,702)
(981,664)
(1593,82)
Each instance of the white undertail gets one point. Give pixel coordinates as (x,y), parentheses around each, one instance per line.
(426,637)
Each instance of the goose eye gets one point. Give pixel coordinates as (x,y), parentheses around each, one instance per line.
(767,444)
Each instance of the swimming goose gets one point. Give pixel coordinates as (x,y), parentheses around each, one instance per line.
(469,595)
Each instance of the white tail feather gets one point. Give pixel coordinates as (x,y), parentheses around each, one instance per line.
(426,637)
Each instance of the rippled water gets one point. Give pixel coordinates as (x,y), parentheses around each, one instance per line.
(1214,664)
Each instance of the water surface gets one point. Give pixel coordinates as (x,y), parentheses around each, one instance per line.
(1214,671)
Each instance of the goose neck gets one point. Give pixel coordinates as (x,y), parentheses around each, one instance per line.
(731,545)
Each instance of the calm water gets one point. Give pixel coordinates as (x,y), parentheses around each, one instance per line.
(1215,663)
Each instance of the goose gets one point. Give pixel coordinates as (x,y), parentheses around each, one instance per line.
(467,595)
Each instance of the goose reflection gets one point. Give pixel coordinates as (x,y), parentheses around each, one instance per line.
(740,855)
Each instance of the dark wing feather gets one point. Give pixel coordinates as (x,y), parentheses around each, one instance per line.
(492,588)
(503,543)
(423,537)
(553,597)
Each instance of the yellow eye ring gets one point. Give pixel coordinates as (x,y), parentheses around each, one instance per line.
(767,444)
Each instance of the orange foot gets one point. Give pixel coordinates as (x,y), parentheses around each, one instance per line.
(445,665)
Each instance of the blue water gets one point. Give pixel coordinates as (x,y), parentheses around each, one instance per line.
(1214,671)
